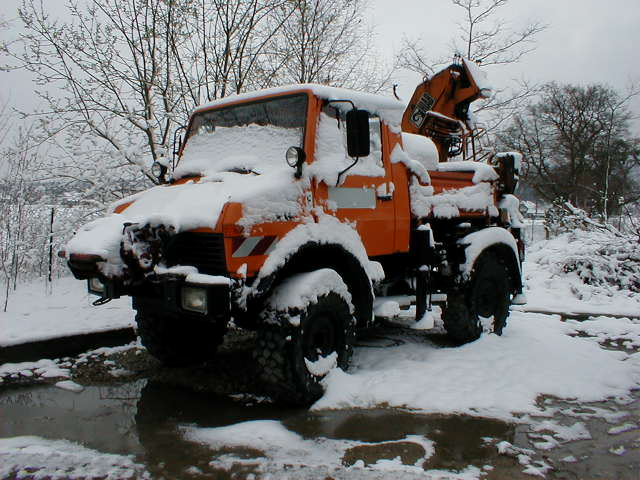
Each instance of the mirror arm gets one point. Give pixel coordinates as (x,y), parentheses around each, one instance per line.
(346,170)
(299,164)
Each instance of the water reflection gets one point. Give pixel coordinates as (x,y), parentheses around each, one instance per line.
(144,417)
(100,417)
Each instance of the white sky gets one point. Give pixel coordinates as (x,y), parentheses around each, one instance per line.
(587,41)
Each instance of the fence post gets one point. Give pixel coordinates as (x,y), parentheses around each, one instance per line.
(51,243)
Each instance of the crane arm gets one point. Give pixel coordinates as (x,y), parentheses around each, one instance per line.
(439,106)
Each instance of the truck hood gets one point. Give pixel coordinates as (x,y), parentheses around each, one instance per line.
(193,203)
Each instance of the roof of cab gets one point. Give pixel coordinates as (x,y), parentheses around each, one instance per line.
(388,108)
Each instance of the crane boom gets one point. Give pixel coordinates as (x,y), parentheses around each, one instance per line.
(439,107)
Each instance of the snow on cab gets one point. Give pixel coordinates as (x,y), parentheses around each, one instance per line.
(291,209)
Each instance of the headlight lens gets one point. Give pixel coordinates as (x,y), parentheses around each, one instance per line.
(194,299)
(292,156)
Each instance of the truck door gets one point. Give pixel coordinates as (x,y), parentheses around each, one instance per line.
(363,195)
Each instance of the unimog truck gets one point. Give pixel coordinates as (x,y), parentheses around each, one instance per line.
(291,210)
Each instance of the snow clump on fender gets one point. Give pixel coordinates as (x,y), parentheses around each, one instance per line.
(297,292)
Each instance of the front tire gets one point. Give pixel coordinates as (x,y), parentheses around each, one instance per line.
(482,303)
(293,359)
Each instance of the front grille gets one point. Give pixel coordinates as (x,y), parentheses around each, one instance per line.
(205,251)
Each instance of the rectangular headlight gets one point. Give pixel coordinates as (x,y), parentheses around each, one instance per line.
(194,299)
(96,286)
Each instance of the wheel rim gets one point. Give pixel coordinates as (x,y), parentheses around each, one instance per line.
(320,338)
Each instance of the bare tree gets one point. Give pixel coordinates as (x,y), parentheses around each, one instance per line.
(488,40)
(328,42)
(118,78)
(577,146)
(483,37)
(4,42)
(228,46)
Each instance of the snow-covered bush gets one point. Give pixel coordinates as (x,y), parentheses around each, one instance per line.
(563,217)
(558,219)
(607,261)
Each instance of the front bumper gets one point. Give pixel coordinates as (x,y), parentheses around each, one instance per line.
(166,296)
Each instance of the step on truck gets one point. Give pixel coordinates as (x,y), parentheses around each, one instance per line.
(290,210)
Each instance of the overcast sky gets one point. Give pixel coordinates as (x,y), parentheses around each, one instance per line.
(587,41)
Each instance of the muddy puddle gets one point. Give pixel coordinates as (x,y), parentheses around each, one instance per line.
(145,418)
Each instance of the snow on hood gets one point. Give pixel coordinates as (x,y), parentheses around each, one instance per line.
(195,204)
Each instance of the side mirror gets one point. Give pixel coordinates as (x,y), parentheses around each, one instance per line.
(295,157)
(358,137)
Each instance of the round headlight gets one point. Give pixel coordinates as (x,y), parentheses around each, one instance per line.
(292,155)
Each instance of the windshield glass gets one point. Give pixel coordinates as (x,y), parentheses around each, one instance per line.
(246,138)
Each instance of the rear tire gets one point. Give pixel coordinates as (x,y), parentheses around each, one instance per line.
(177,341)
(482,303)
(290,358)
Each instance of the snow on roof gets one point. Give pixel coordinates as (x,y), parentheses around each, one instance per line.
(387,108)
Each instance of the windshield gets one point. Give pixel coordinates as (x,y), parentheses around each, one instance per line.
(246,138)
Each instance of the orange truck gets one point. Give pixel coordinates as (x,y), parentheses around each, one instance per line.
(295,211)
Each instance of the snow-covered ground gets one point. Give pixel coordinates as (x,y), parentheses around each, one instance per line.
(39,311)
(493,377)
(36,457)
